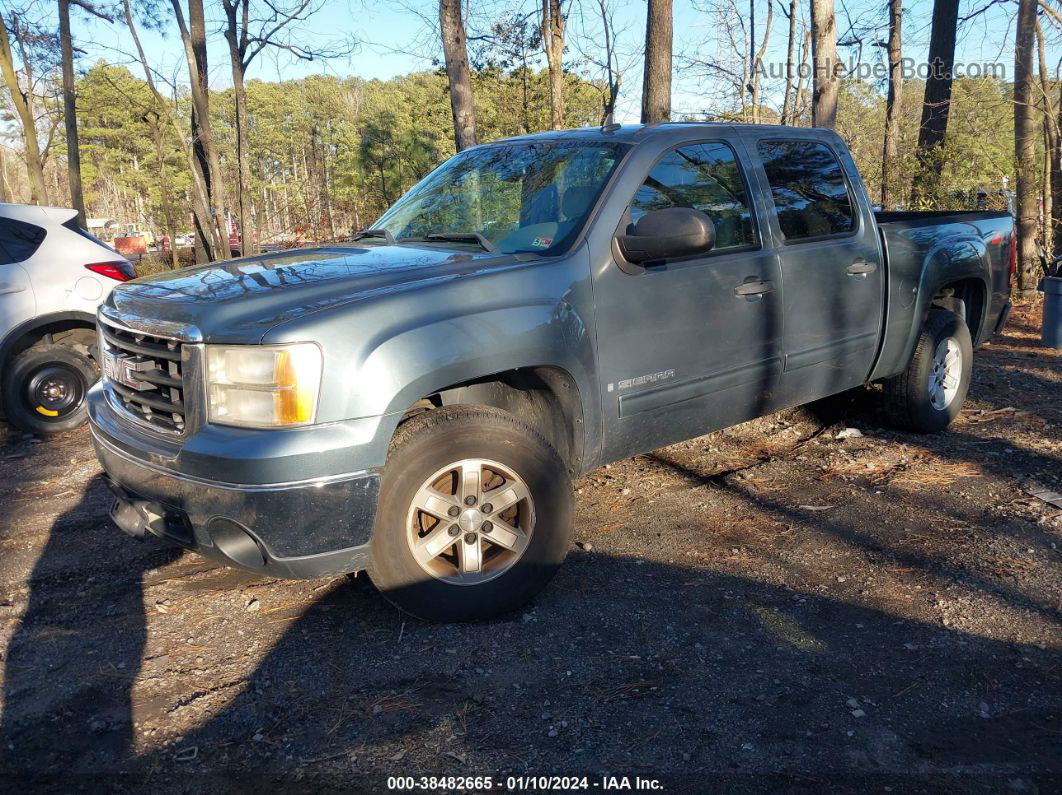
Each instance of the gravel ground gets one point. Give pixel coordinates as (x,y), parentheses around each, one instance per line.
(767,606)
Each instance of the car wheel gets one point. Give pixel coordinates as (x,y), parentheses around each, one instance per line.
(928,395)
(474,516)
(45,389)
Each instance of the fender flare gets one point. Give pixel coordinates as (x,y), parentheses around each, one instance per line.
(941,266)
(546,336)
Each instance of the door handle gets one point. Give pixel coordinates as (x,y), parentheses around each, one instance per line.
(860,268)
(7,287)
(754,291)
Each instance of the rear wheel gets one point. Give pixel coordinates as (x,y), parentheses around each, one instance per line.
(45,389)
(931,392)
(474,515)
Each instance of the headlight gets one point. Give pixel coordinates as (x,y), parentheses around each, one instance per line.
(263,386)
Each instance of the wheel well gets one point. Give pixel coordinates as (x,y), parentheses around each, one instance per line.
(73,332)
(547,398)
(965,298)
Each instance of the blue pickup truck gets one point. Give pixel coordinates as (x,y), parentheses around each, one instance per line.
(415,402)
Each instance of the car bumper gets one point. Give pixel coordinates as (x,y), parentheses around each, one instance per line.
(311,527)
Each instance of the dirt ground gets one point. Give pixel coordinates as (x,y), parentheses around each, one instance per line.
(764,607)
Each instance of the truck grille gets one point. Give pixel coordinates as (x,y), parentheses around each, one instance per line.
(144,373)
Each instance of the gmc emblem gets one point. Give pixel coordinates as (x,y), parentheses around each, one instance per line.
(123,367)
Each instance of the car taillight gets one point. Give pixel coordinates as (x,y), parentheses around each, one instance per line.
(119,271)
(1012,268)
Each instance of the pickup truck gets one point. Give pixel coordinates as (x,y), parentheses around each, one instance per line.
(415,402)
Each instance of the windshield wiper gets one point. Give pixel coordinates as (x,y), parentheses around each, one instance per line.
(453,237)
(383,234)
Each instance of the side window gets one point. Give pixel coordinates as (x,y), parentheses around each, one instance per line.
(706,177)
(811,198)
(18,240)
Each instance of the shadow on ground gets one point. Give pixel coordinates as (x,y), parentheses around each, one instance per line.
(623,667)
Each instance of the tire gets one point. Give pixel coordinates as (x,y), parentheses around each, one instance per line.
(517,553)
(912,400)
(45,389)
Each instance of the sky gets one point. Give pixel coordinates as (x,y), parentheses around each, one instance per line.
(393,37)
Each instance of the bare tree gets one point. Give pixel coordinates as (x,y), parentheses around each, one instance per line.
(826,67)
(193,37)
(1025,142)
(201,209)
(1055,155)
(804,77)
(757,61)
(790,63)
(73,151)
(23,101)
(455,52)
(892,103)
(936,104)
(656,83)
(1056,176)
(597,41)
(726,74)
(554,23)
(1051,132)
(247,35)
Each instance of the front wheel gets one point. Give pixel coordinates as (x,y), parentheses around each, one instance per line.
(930,393)
(474,515)
(45,389)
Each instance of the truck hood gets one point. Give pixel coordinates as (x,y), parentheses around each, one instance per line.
(240,300)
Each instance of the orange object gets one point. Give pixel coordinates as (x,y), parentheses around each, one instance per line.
(130,245)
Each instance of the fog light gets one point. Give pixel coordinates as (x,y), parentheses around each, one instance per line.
(236,543)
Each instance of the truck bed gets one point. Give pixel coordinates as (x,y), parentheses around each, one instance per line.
(942,245)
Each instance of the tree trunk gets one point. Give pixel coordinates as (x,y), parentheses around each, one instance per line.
(553,43)
(613,77)
(193,36)
(248,243)
(936,104)
(3,177)
(73,152)
(801,100)
(243,161)
(892,104)
(1025,144)
(165,190)
(1051,133)
(455,50)
(757,59)
(23,103)
(656,85)
(827,81)
(790,64)
(1056,179)
(200,194)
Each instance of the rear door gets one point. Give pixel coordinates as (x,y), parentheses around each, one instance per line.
(18,241)
(829,256)
(692,344)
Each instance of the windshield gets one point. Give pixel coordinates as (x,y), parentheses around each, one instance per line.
(520,197)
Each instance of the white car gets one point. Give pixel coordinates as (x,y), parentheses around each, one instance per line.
(53,276)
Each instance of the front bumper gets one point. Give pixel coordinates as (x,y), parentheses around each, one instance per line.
(301,528)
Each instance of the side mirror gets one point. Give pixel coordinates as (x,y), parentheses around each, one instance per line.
(665,234)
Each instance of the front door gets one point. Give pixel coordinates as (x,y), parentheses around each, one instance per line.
(831,266)
(694,344)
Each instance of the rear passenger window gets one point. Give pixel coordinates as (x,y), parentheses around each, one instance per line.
(706,177)
(811,198)
(19,240)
